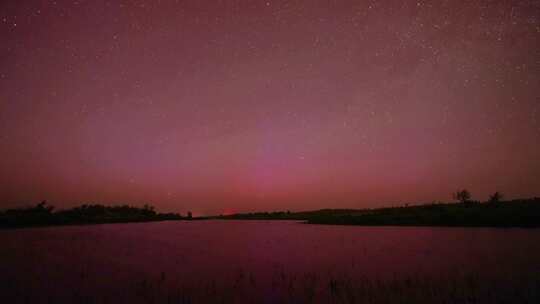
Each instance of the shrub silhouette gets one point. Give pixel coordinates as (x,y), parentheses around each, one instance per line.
(43,207)
(495,198)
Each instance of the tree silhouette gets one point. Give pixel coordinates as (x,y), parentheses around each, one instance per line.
(463,196)
(189,215)
(495,197)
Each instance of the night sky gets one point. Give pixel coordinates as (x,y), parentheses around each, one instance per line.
(229,106)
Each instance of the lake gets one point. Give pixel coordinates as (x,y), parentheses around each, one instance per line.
(268,262)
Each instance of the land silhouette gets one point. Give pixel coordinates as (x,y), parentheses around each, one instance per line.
(515,213)
(465,213)
(44,214)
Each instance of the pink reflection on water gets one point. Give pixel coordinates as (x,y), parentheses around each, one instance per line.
(111,259)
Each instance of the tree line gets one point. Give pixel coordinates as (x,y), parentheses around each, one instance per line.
(44,214)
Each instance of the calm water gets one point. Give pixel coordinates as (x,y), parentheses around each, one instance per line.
(254,259)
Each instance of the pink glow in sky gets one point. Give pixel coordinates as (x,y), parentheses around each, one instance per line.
(212,106)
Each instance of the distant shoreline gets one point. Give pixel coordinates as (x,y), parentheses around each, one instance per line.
(520,213)
(42,215)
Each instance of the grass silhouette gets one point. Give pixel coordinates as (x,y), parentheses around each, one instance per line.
(306,288)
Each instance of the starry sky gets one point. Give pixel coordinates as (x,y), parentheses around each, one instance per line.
(232,106)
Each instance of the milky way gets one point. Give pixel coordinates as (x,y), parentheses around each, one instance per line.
(220,106)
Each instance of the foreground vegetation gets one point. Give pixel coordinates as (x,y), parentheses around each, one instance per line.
(284,287)
(514,213)
(44,215)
